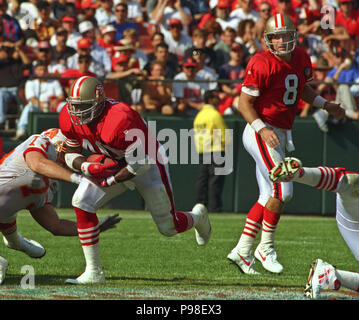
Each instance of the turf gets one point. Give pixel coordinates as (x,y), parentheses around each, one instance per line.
(140,263)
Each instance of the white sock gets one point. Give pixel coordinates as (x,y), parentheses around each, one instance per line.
(14,239)
(92,257)
(349,280)
(247,238)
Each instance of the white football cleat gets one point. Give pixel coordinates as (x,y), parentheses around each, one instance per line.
(203,226)
(94,276)
(321,276)
(3,268)
(269,259)
(245,264)
(285,170)
(31,247)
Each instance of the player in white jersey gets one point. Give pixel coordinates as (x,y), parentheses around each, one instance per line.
(26,182)
(345,184)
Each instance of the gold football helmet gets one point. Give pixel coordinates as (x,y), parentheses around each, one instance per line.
(86,100)
(280,24)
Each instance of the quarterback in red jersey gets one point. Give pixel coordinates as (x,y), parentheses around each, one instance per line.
(111,128)
(274,82)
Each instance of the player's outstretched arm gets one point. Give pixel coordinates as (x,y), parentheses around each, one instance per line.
(38,163)
(310,96)
(48,218)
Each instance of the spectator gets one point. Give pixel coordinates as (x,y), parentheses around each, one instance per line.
(246,36)
(161,54)
(62,8)
(223,46)
(11,28)
(157,95)
(84,63)
(108,40)
(134,8)
(41,93)
(264,14)
(88,11)
(348,17)
(68,23)
(84,46)
(245,11)
(233,70)
(189,94)
(198,9)
(11,76)
(45,26)
(127,48)
(158,37)
(177,40)
(101,59)
(121,23)
(199,40)
(127,81)
(203,71)
(167,10)
(223,17)
(214,32)
(43,53)
(320,71)
(60,52)
(211,146)
(131,36)
(104,14)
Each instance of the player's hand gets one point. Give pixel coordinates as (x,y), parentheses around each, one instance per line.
(269,137)
(335,110)
(109,222)
(108,182)
(98,170)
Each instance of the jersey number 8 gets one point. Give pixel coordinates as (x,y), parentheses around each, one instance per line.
(291,85)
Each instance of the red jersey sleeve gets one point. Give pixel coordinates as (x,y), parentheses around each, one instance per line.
(255,79)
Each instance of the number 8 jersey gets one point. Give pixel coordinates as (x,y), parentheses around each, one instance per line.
(277,85)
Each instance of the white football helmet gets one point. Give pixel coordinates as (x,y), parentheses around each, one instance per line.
(280,24)
(86,100)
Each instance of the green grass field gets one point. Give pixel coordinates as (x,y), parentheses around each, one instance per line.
(140,263)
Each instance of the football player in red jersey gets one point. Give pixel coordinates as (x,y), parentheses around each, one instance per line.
(274,82)
(109,127)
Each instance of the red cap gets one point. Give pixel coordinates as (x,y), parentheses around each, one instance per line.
(89,4)
(84,43)
(223,4)
(68,19)
(121,58)
(236,47)
(174,21)
(190,62)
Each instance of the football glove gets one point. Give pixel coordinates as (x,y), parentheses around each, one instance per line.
(109,222)
(98,170)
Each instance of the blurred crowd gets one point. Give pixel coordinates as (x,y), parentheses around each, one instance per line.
(199,45)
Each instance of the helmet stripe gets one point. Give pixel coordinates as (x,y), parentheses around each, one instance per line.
(77,85)
(279,21)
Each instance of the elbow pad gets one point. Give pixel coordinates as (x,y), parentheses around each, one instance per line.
(69,159)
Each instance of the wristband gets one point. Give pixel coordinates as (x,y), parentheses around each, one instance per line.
(75,178)
(319,102)
(111,180)
(257,125)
